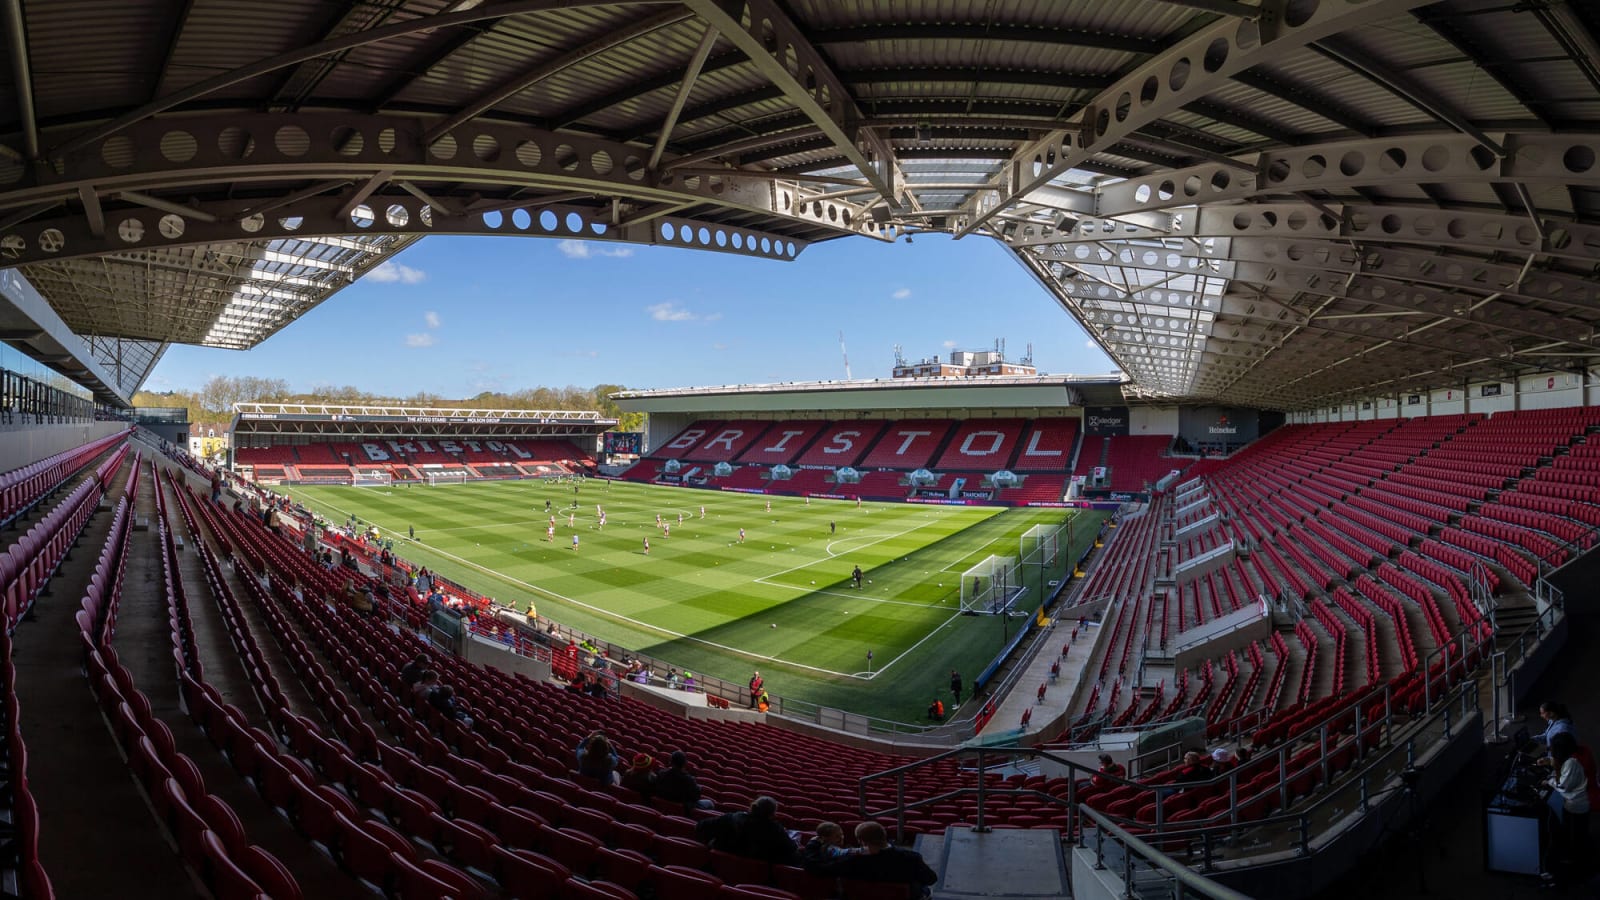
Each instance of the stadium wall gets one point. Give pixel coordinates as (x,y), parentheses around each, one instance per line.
(35,442)
(1153,420)
(1547,390)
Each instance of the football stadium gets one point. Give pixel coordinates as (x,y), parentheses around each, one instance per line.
(1292,604)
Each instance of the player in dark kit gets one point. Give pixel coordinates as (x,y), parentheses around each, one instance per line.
(856,577)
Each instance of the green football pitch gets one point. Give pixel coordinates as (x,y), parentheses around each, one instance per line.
(781,601)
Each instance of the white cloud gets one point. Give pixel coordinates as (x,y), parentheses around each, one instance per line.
(584,250)
(949,345)
(1091,345)
(670,312)
(420,340)
(901,294)
(432,318)
(719,346)
(392,272)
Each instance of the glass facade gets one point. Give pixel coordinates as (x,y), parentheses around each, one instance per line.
(32,393)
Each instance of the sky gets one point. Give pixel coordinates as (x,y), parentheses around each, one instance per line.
(456,316)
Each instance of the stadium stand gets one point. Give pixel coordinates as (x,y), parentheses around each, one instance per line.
(685,440)
(1047,446)
(1137,461)
(908,444)
(842,443)
(782,443)
(985,445)
(727,441)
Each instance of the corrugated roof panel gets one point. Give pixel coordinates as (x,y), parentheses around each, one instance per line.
(1374,102)
(222,35)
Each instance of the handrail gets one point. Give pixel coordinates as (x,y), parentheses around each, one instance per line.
(1183,881)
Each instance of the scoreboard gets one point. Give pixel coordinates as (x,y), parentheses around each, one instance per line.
(623,442)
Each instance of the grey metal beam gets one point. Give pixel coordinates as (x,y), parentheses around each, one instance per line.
(781,53)
(22,76)
(690,76)
(986,31)
(1193,67)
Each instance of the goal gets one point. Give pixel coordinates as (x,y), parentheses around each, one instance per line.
(1040,544)
(372,479)
(990,587)
(446,478)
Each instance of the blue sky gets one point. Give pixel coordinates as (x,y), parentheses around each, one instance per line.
(459,315)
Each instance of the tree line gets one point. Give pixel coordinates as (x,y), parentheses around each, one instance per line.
(212,404)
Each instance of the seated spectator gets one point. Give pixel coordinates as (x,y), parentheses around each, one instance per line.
(756,834)
(676,785)
(1222,760)
(1193,768)
(879,861)
(425,685)
(597,760)
(827,846)
(443,699)
(640,777)
(1109,766)
(597,688)
(935,711)
(412,671)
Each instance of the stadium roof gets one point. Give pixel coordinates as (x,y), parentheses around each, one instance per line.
(1274,205)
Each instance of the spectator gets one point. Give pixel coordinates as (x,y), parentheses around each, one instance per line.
(676,785)
(412,671)
(878,861)
(425,684)
(443,699)
(640,777)
(756,834)
(597,760)
(756,682)
(1222,760)
(1109,767)
(936,710)
(827,846)
(1193,769)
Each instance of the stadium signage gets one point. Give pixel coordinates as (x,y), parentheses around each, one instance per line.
(1105,421)
(738,490)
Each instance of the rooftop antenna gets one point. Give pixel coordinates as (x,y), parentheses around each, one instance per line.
(1028,360)
(846,354)
(899,355)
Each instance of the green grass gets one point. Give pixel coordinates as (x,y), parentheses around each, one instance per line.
(702,601)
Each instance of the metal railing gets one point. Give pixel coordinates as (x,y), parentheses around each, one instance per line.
(1380,748)
(1140,864)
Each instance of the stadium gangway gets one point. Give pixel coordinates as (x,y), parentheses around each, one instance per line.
(1505,663)
(1198,525)
(1134,858)
(1194,501)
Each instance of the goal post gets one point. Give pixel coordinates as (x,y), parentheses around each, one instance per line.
(437,478)
(1040,544)
(991,586)
(372,479)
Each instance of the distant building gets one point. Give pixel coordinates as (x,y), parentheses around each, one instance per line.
(965,364)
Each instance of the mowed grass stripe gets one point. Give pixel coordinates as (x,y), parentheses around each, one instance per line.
(701,584)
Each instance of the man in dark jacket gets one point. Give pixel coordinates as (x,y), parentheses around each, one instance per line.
(676,785)
(756,834)
(880,861)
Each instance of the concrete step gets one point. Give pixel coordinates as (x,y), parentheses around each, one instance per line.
(1003,864)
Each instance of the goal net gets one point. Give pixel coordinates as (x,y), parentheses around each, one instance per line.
(446,478)
(990,587)
(1040,544)
(372,479)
